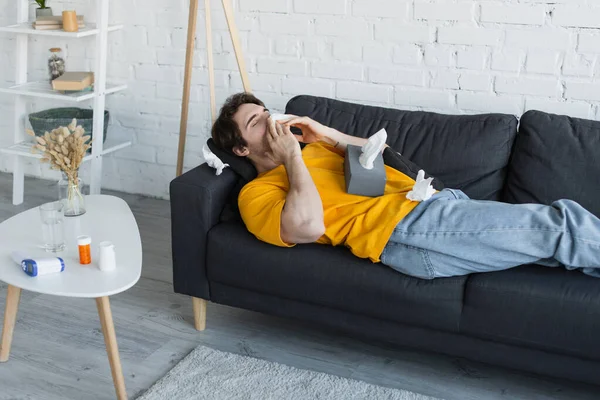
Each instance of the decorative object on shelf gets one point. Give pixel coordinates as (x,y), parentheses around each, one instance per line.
(42,10)
(56,63)
(46,120)
(64,148)
(70,193)
(74,81)
(70,21)
(47,23)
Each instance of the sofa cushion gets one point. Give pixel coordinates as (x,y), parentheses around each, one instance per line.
(401,163)
(551,309)
(555,157)
(467,152)
(240,165)
(331,277)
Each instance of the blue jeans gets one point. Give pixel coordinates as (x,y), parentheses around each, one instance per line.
(450,235)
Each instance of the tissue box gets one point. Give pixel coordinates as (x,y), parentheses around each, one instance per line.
(362,181)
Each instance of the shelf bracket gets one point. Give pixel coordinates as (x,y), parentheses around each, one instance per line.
(20,109)
(100,95)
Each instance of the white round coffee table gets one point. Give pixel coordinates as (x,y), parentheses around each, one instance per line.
(107,218)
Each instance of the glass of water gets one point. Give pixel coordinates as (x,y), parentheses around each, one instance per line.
(52,215)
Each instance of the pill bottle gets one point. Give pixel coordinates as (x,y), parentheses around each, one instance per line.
(84,243)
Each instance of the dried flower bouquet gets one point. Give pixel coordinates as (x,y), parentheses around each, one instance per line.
(64,148)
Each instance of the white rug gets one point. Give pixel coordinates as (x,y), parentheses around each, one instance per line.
(210,374)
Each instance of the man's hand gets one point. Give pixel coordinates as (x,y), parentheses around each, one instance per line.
(284,146)
(312,131)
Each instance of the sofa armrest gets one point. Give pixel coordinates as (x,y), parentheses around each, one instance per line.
(197,200)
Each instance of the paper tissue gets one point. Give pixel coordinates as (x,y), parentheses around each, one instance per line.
(422,190)
(372,149)
(364,169)
(280,117)
(212,160)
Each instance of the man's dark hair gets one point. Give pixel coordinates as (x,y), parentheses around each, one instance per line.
(225,131)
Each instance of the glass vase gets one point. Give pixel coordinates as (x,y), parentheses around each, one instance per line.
(71,193)
(56,63)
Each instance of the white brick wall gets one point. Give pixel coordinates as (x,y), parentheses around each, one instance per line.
(542,62)
(475,81)
(472,58)
(524,14)
(381,8)
(445,80)
(469,36)
(333,7)
(431,99)
(439,55)
(399,76)
(450,56)
(576,16)
(444,11)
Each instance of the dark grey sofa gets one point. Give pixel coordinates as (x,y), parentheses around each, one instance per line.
(533,318)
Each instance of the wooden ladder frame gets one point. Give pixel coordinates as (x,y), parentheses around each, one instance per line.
(199,305)
(189,61)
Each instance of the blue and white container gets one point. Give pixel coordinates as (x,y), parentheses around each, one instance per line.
(42,266)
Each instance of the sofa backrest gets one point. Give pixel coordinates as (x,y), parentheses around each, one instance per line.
(555,157)
(467,152)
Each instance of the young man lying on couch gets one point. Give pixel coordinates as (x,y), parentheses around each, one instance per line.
(299,197)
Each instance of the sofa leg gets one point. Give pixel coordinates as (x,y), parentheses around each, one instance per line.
(199,306)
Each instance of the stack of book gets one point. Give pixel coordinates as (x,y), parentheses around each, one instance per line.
(54,22)
(71,82)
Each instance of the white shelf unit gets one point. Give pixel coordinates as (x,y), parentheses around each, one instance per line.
(44,90)
(21,147)
(27,28)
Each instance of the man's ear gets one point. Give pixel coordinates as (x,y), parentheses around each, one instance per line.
(241,151)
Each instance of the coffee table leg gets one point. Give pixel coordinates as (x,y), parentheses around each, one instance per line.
(108,329)
(13,294)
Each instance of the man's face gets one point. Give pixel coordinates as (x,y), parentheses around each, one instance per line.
(252,121)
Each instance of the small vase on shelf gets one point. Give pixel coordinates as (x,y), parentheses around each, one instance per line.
(71,193)
(70,23)
(43,12)
(56,63)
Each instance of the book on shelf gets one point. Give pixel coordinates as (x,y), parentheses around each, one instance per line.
(85,90)
(52,27)
(54,20)
(73,81)
(54,23)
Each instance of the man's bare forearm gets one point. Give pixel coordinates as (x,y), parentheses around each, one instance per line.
(342,140)
(303,203)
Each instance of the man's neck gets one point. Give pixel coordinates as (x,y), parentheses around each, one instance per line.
(263,165)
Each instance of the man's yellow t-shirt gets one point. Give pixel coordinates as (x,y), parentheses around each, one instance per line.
(363,224)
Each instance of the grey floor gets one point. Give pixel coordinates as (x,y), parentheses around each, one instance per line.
(58,351)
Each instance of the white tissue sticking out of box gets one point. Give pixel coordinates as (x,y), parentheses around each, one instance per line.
(280,117)
(422,190)
(372,149)
(213,161)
